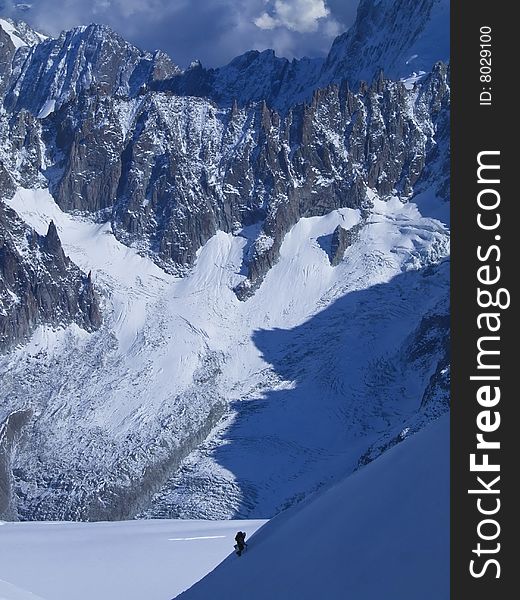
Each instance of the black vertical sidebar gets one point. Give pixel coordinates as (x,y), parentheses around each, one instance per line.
(484,118)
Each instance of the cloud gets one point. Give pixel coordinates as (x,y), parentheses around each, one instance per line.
(214,31)
(302,16)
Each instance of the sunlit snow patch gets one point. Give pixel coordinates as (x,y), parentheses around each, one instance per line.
(414,78)
(11,32)
(47,108)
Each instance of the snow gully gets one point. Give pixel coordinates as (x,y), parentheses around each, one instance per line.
(492,300)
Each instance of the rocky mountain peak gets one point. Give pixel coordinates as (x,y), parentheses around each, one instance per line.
(38,284)
(398,36)
(57,70)
(52,242)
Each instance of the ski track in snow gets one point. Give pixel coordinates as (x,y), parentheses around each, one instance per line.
(200,537)
(8,591)
(171,348)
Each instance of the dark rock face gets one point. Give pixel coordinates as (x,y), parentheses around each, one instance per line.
(341,239)
(10,433)
(39,284)
(7,51)
(21,152)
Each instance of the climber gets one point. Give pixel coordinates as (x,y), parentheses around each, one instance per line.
(240,539)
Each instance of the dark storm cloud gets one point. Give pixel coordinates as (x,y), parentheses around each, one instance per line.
(213,31)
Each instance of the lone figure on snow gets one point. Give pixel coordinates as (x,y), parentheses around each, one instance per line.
(240,539)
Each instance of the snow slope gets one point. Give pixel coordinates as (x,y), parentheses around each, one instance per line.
(135,560)
(12,592)
(10,30)
(382,533)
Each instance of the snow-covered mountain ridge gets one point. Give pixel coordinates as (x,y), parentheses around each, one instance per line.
(397,36)
(271,274)
(169,171)
(82,115)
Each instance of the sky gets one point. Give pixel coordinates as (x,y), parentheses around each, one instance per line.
(212,31)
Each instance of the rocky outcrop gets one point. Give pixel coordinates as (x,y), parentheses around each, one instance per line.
(22,160)
(10,433)
(341,239)
(39,284)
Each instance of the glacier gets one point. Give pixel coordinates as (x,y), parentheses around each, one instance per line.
(293,378)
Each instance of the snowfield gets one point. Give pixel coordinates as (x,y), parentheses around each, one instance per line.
(134,560)
(382,532)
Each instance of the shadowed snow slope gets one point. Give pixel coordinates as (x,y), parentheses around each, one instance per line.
(381,533)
